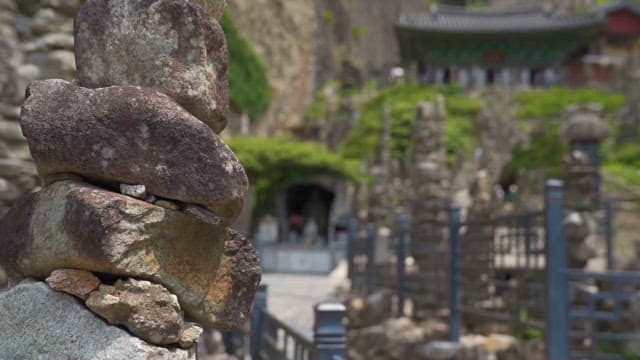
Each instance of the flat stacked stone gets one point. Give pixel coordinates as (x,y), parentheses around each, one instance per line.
(139,186)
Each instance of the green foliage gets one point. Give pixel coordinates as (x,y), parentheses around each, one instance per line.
(551,103)
(274,163)
(248,84)
(547,149)
(317,109)
(329,17)
(364,140)
(623,162)
(358,33)
(527,332)
(616,348)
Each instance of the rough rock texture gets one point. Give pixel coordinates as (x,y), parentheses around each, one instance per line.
(215,8)
(190,334)
(214,271)
(135,136)
(394,339)
(38,323)
(289,60)
(372,310)
(17,175)
(148,310)
(10,55)
(78,283)
(171,45)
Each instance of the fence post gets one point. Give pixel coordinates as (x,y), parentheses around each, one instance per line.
(352,237)
(371,253)
(257,321)
(329,333)
(454,274)
(611,234)
(557,325)
(401,270)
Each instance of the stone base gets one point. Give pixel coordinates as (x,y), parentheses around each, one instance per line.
(39,323)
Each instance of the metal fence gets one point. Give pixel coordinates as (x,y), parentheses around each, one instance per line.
(497,271)
(273,339)
(513,270)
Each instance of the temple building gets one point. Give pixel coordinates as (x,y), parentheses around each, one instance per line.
(532,46)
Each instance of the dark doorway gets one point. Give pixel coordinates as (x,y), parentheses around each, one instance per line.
(308,208)
(491,76)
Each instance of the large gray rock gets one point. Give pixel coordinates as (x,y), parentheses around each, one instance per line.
(213,270)
(38,323)
(171,45)
(132,135)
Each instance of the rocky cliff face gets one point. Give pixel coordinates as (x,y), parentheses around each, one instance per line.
(305,43)
(282,34)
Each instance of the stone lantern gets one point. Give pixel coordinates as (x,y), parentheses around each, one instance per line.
(584,131)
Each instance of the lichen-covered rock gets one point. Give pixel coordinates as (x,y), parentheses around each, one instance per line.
(171,45)
(212,270)
(190,334)
(38,323)
(132,135)
(78,283)
(148,310)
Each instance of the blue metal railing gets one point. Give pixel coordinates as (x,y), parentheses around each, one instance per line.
(513,269)
(273,339)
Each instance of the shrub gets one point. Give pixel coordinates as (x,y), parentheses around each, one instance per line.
(272,164)
(363,142)
(248,85)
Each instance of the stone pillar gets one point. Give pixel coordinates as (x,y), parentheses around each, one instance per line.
(584,131)
(429,184)
(631,86)
(381,201)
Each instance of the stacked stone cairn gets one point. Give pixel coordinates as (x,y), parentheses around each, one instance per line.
(139,192)
(584,127)
(429,186)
